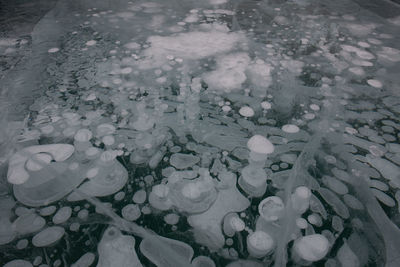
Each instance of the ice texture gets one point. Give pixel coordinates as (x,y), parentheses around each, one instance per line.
(28,223)
(208,224)
(312,247)
(237,133)
(17,174)
(229,76)
(183,161)
(117,249)
(333,200)
(347,257)
(260,144)
(271,208)
(192,45)
(85,260)
(150,248)
(48,236)
(259,244)
(388,170)
(18,263)
(62,215)
(109,177)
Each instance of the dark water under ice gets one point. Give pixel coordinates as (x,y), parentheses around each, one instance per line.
(199,133)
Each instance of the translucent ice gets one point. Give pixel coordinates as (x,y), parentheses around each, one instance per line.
(191,45)
(183,161)
(259,244)
(228,200)
(18,263)
(17,174)
(116,249)
(260,144)
(48,236)
(312,247)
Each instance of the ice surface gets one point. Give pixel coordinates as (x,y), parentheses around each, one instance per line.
(335,202)
(85,260)
(208,223)
(171,218)
(202,261)
(312,247)
(131,212)
(259,244)
(347,257)
(117,249)
(229,76)
(18,263)
(62,215)
(28,223)
(139,197)
(384,198)
(183,161)
(212,132)
(55,182)
(290,128)
(193,46)
(271,208)
(260,144)
(353,202)
(253,180)
(193,196)
(48,236)
(246,111)
(335,185)
(150,249)
(388,170)
(17,174)
(110,176)
(243,263)
(232,224)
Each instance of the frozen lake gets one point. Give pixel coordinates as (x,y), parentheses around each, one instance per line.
(199,133)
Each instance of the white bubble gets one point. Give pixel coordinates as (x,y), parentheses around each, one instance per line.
(126,70)
(246,111)
(226,108)
(375,83)
(91,43)
(91,97)
(260,144)
(350,130)
(108,140)
(266,105)
(357,71)
(92,172)
(290,128)
(53,50)
(363,44)
(314,107)
(309,116)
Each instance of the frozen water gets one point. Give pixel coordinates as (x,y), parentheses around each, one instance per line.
(62,215)
(183,161)
(311,248)
(199,133)
(347,257)
(48,236)
(259,144)
(259,244)
(33,159)
(290,128)
(86,260)
(117,249)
